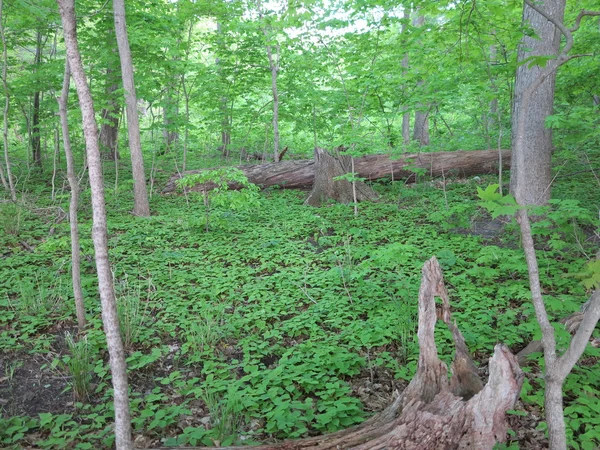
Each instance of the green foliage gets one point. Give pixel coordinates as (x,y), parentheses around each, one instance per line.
(216,191)
(11,216)
(496,203)
(79,365)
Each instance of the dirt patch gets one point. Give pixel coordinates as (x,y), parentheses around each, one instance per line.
(28,386)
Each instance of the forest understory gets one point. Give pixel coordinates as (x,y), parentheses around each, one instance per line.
(281,321)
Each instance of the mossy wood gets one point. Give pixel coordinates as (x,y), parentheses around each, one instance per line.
(300,174)
(434,412)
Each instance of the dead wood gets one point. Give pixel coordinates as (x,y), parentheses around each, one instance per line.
(300,174)
(434,413)
(326,187)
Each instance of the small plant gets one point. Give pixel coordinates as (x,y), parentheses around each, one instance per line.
(35,299)
(132,310)
(226,416)
(206,329)
(11,216)
(216,190)
(79,364)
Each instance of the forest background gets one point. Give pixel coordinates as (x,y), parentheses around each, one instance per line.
(278,320)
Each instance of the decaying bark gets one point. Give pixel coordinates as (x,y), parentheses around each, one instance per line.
(434,412)
(325,187)
(300,174)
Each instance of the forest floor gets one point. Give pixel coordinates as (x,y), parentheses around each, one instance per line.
(281,321)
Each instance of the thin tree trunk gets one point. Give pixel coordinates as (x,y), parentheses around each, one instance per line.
(99,232)
(531,183)
(406,115)
(274,65)
(223,102)
(74,185)
(36,144)
(10,184)
(557,367)
(141,205)
(274,68)
(109,128)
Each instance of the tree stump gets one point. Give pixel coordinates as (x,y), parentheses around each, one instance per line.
(434,412)
(325,187)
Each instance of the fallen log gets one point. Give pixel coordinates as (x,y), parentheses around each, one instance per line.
(300,174)
(434,412)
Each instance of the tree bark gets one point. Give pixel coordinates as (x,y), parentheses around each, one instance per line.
(109,127)
(110,318)
(74,185)
(435,412)
(274,69)
(8,180)
(300,174)
(530,183)
(327,167)
(141,204)
(421,125)
(36,143)
(406,114)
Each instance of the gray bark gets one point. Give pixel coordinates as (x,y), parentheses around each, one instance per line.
(421,126)
(74,185)
(531,176)
(557,367)
(36,143)
(327,167)
(109,128)
(8,180)
(110,319)
(141,204)
(300,174)
(274,69)
(406,115)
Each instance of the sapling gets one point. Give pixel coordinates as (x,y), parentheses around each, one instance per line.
(557,366)
(215,187)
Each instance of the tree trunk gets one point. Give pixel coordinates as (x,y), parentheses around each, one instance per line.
(421,126)
(36,143)
(110,318)
(8,180)
(74,185)
(406,115)
(421,130)
(327,167)
(300,174)
(435,412)
(109,127)
(530,182)
(141,205)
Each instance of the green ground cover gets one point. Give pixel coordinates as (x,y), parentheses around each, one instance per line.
(282,320)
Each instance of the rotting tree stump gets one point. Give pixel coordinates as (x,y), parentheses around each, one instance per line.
(326,187)
(434,412)
(300,174)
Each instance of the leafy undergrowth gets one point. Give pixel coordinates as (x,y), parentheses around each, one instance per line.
(282,321)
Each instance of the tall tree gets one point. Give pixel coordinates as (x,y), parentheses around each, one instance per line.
(141,204)
(9,184)
(531,175)
(274,60)
(110,318)
(421,126)
(73,205)
(36,139)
